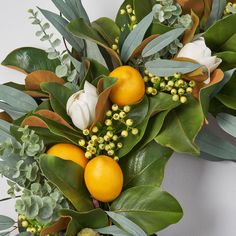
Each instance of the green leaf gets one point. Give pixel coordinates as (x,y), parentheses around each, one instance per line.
(186,121)
(161,42)
(59,96)
(135,37)
(229,45)
(6,222)
(60,24)
(227,95)
(216,146)
(126,224)
(30,59)
(4,130)
(161,67)
(71,185)
(17,99)
(154,210)
(217,11)
(7,233)
(224,29)
(145,166)
(142,8)
(107,28)
(122,20)
(227,123)
(229,60)
(112,230)
(157,28)
(15,113)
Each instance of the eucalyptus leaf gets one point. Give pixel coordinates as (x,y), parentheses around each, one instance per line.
(113,230)
(30,59)
(7,233)
(76,63)
(161,42)
(126,224)
(153,211)
(60,24)
(14,112)
(227,123)
(162,67)
(135,37)
(6,222)
(61,70)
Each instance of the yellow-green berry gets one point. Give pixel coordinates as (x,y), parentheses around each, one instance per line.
(116,116)
(94,138)
(95,129)
(39,228)
(115,138)
(122,11)
(28,229)
(106,138)
(146,79)
(85,132)
(170,83)
(189,90)
(128,6)
(21,217)
(134,26)
(24,224)
(109,113)
(175,97)
(135,131)
(181,91)
(133,18)
(149,90)
(109,134)
(115,107)
(117,40)
(111,152)
(101,146)
(100,140)
(91,143)
(33,230)
(146,72)
(162,85)
(183,99)
(154,92)
(192,83)
(119,145)
(150,75)
(108,122)
(116,158)
(129,122)
(129,10)
(177,75)
(124,133)
(82,142)
(126,109)
(112,145)
(114,47)
(107,147)
(173,91)
(122,114)
(88,155)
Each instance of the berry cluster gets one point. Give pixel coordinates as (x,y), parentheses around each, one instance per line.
(230,8)
(31,226)
(174,85)
(106,139)
(129,11)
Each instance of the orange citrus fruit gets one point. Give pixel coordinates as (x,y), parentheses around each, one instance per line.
(103,178)
(69,152)
(130,87)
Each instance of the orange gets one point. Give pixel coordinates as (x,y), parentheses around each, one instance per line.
(69,152)
(130,87)
(103,178)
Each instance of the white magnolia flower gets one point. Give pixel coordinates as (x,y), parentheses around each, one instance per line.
(198,51)
(81,106)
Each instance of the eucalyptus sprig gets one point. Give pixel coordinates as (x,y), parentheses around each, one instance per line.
(65,69)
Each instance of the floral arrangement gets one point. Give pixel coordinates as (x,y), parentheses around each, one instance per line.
(85,141)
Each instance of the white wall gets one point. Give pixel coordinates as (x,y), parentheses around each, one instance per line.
(206,190)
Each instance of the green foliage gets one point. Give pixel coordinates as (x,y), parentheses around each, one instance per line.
(70,183)
(153,212)
(30,59)
(6,222)
(227,123)
(145,166)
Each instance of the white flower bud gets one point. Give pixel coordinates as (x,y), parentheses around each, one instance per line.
(81,106)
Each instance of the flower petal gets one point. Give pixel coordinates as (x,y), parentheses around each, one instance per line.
(90,89)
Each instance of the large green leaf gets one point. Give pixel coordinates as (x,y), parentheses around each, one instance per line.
(227,123)
(59,96)
(157,28)
(80,29)
(6,222)
(30,59)
(148,207)
(181,128)
(95,218)
(112,230)
(145,166)
(142,8)
(215,146)
(60,24)
(70,182)
(227,95)
(161,67)
(229,60)
(224,29)
(161,42)
(135,37)
(107,28)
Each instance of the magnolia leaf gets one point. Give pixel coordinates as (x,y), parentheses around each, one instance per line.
(161,42)
(187,121)
(4,116)
(33,80)
(145,166)
(135,37)
(72,185)
(126,224)
(60,24)
(153,212)
(227,123)
(6,222)
(30,59)
(112,230)
(142,8)
(161,67)
(228,60)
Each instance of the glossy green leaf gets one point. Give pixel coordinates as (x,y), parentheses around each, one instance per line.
(216,146)
(161,42)
(60,24)
(158,28)
(71,185)
(135,37)
(161,67)
(107,28)
(6,222)
(186,121)
(229,45)
(217,11)
(126,224)
(148,207)
(95,218)
(142,8)
(224,29)
(30,59)
(112,230)
(229,60)
(145,166)
(227,123)
(59,96)
(227,95)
